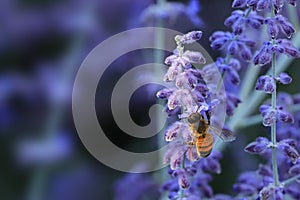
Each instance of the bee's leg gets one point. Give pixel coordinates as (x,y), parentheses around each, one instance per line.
(208,116)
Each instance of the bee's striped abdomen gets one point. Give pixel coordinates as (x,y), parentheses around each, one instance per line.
(204,145)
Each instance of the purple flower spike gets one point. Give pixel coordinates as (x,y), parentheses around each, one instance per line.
(284,78)
(266,83)
(257,147)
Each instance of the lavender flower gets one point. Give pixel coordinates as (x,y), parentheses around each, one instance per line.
(190,94)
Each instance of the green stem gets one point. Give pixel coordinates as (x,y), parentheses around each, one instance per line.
(248,12)
(290,180)
(273,127)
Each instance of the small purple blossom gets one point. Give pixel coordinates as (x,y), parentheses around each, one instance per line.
(270,115)
(230,67)
(189,38)
(266,83)
(279,23)
(278,46)
(259,146)
(284,78)
(240,19)
(237,45)
(288,148)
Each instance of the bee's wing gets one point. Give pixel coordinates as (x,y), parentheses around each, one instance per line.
(225,134)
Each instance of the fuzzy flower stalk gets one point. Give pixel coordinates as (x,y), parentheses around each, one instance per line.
(268,13)
(189,96)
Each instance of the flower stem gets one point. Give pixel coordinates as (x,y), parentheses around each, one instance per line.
(273,127)
(290,180)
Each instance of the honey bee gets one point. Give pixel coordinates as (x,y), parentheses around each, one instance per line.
(202,133)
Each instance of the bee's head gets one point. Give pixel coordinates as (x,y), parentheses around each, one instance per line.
(194,118)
